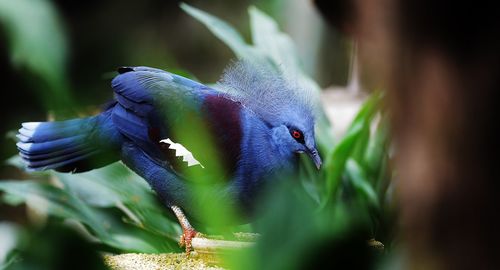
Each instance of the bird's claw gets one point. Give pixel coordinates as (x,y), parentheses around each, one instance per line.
(186,239)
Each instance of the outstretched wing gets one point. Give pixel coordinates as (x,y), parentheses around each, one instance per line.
(154,105)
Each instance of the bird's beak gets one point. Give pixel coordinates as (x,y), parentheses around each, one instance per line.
(313,153)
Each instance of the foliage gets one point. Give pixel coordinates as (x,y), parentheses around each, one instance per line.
(346,202)
(114,204)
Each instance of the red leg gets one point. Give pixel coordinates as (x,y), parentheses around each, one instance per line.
(188,232)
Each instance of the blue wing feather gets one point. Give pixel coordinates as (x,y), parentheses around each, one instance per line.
(136,129)
(151,99)
(71,145)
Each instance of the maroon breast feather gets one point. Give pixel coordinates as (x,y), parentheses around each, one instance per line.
(223,120)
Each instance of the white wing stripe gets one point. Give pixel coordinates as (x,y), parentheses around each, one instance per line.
(181,151)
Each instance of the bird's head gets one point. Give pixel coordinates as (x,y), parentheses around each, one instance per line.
(296,135)
(284,107)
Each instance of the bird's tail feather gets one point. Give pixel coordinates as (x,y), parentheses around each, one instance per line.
(74,145)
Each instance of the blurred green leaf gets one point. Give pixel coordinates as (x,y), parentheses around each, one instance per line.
(15,161)
(310,178)
(106,226)
(383,178)
(89,190)
(54,247)
(9,262)
(279,47)
(335,163)
(222,30)
(361,184)
(37,42)
(295,235)
(53,200)
(358,153)
(115,181)
(267,38)
(12,199)
(117,186)
(377,148)
(9,234)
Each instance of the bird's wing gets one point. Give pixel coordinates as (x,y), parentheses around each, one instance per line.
(154,105)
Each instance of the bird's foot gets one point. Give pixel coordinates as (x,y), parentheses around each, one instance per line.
(188,232)
(186,239)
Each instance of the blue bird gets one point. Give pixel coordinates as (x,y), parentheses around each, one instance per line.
(256,122)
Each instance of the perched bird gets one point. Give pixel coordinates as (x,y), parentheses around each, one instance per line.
(162,125)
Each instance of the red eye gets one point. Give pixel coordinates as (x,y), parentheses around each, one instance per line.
(296,134)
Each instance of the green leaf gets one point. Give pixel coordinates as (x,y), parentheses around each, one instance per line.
(335,163)
(114,186)
(103,223)
(368,110)
(361,145)
(222,30)
(49,199)
(12,199)
(88,190)
(361,184)
(276,45)
(16,161)
(9,233)
(310,178)
(377,148)
(9,262)
(117,186)
(115,182)
(279,47)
